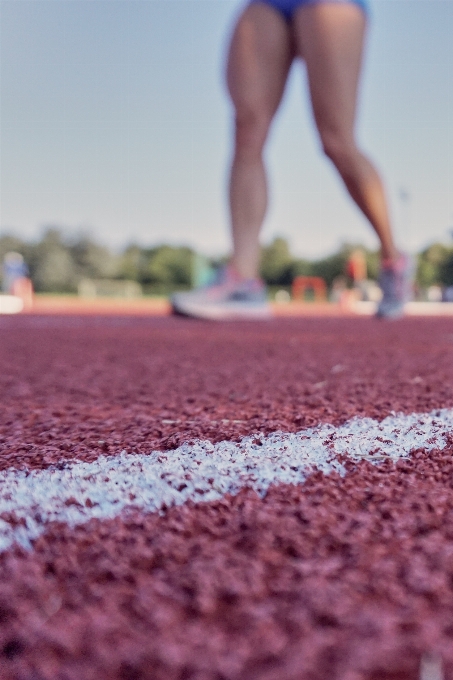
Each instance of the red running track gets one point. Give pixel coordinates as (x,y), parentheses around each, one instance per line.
(344,578)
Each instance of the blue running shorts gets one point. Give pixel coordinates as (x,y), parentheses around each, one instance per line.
(288,7)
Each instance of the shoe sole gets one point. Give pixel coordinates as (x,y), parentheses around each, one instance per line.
(222,313)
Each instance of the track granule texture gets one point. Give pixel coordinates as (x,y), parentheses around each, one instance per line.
(344,578)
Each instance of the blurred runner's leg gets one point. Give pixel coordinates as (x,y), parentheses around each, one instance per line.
(330,38)
(259,60)
(260,56)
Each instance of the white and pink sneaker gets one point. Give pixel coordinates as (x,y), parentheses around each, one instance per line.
(230,297)
(396,282)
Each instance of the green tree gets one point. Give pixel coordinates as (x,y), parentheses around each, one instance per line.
(168,266)
(431,265)
(372,263)
(330,267)
(52,268)
(92,260)
(132,263)
(301,267)
(446,269)
(164,268)
(276,263)
(10,243)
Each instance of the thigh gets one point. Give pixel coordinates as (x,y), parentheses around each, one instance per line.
(329,37)
(259,60)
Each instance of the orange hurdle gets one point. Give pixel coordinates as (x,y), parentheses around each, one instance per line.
(303,283)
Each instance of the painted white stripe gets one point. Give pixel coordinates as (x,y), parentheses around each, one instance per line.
(202,471)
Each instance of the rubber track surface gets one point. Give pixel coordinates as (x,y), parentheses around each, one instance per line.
(340,578)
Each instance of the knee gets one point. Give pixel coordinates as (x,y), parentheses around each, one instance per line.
(340,150)
(251,129)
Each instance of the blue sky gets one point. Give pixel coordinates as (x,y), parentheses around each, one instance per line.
(115,121)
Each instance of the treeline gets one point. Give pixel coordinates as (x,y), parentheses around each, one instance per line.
(58,262)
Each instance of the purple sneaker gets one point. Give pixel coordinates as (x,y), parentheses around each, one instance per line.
(228,298)
(395,280)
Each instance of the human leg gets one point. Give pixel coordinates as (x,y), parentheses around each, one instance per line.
(259,59)
(330,37)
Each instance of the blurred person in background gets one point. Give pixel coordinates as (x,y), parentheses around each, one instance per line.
(15,278)
(269,35)
(13,269)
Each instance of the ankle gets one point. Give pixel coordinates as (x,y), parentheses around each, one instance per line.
(239,273)
(390,259)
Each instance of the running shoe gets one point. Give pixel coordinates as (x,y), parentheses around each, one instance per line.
(227,298)
(395,280)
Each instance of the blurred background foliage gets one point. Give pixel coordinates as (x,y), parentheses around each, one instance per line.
(435,266)
(57,263)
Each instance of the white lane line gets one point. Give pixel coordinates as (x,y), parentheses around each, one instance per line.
(202,471)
